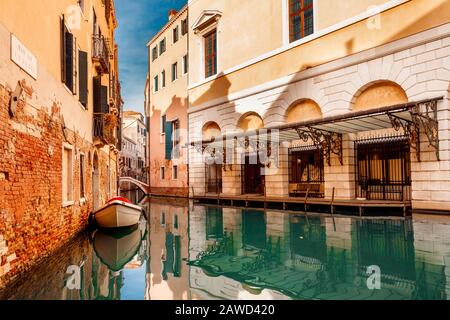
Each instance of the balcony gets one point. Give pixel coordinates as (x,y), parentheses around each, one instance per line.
(115,97)
(100,54)
(105,129)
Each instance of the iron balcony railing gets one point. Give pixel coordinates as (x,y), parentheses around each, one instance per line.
(100,52)
(105,127)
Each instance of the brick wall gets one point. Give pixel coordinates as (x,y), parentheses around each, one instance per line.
(33,222)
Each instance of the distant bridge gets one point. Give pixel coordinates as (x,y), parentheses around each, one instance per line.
(141,185)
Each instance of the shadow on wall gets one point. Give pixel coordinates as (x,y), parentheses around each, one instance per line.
(176,110)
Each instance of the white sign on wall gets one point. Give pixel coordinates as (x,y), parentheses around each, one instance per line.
(23,57)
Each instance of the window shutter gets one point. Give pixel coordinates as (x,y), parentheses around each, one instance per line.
(169,146)
(69,60)
(97,83)
(104,99)
(83,77)
(63,50)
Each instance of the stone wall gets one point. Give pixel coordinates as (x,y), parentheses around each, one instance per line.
(33,222)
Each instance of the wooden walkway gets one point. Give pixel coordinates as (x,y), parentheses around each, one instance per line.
(308,204)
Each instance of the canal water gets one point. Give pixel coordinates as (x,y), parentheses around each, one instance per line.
(187,251)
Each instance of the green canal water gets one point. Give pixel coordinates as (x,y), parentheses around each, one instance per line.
(187,251)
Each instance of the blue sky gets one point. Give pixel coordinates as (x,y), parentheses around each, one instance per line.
(138,21)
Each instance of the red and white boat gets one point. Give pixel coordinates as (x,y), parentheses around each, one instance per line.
(118,212)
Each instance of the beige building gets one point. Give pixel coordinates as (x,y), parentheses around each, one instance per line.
(60,108)
(354,94)
(134,146)
(166,106)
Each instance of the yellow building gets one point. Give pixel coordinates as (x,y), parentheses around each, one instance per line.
(60,108)
(166,106)
(319,98)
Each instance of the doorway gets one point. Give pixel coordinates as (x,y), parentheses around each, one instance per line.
(252,177)
(384,169)
(214,178)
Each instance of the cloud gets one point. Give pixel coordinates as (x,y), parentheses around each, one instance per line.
(139,21)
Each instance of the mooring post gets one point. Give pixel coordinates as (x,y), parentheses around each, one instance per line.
(332,202)
(306,201)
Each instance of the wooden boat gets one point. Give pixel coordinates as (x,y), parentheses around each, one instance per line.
(118,213)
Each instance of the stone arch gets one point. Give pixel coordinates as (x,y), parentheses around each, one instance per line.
(211,131)
(303,110)
(250,121)
(378,94)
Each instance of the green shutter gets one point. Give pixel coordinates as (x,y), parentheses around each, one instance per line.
(104,101)
(83,77)
(63,50)
(97,84)
(69,60)
(169,145)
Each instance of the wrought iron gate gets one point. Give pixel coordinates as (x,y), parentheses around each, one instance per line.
(383,168)
(213,178)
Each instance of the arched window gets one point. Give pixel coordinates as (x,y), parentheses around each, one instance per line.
(211,131)
(379,94)
(303,110)
(250,121)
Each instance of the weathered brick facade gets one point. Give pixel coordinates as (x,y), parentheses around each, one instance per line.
(33,222)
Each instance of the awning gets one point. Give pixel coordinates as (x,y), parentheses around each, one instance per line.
(326,133)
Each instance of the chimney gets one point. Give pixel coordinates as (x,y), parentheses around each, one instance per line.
(172,13)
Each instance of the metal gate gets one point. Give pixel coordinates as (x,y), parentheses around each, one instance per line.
(213,178)
(383,169)
(252,178)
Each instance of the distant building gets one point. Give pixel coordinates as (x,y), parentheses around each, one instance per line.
(166,106)
(134,150)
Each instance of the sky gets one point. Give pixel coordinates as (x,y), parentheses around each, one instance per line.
(139,21)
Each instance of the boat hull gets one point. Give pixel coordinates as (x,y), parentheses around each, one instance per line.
(118,214)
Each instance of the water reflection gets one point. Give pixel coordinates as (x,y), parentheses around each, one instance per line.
(206,252)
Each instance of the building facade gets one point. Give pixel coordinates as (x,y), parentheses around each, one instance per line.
(60,109)
(330,99)
(167,105)
(134,146)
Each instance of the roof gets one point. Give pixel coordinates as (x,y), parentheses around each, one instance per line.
(353,122)
(168,24)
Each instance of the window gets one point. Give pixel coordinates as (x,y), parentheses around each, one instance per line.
(211,54)
(163,79)
(156,84)
(301,19)
(185,64)
(163,124)
(162,46)
(82,170)
(67,165)
(184,27)
(162,173)
(176,34)
(176,139)
(154,53)
(174,172)
(174,71)
(68,57)
(83,78)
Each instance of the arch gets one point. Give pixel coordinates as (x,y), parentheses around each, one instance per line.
(378,94)
(250,121)
(211,131)
(303,110)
